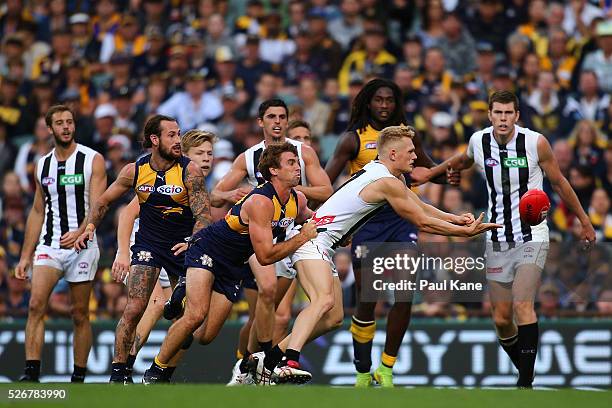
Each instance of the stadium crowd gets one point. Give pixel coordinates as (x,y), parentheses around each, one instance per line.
(210,63)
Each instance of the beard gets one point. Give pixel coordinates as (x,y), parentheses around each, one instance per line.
(167,154)
(60,142)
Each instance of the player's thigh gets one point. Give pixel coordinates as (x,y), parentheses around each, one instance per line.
(500,294)
(80,292)
(141,281)
(220,308)
(265,276)
(526,283)
(44,279)
(316,277)
(199,284)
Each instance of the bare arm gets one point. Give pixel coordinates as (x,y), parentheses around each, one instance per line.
(345,151)
(304,213)
(259,211)
(423,160)
(120,186)
(32,232)
(402,200)
(199,200)
(227,190)
(320,187)
(458,162)
(97,185)
(127,218)
(559,183)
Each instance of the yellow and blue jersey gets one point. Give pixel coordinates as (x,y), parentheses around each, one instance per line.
(165,215)
(367,150)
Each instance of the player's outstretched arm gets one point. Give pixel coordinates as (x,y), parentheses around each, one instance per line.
(559,183)
(260,211)
(199,200)
(424,161)
(32,232)
(320,187)
(120,186)
(453,165)
(97,185)
(346,149)
(227,189)
(398,195)
(127,218)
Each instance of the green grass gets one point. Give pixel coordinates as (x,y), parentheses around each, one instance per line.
(170,396)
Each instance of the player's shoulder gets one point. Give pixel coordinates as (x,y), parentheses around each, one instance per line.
(528,132)
(87,150)
(259,146)
(479,134)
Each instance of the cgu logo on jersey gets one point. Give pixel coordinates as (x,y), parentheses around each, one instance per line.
(514,162)
(146,188)
(47,181)
(71,179)
(169,189)
(491,162)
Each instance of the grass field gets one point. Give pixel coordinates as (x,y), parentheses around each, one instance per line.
(106,396)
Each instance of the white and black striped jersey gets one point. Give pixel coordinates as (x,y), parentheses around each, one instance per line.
(345,212)
(510,171)
(65,187)
(252,155)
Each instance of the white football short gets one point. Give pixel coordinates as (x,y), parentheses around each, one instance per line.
(77,266)
(502,262)
(314,250)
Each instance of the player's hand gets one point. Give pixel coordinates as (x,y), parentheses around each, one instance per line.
(419,175)
(309,230)
(68,239)
(478,227)
(239,193)
(180,248)
(121,267)
(464,219)
(453,176)
(21,270)
(88,235)
(587,234)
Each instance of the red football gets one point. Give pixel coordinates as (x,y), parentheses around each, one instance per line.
(534,206)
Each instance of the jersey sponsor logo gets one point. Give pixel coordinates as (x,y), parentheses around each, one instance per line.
(47,181)
(145,188)
(284,223)
(42,256)
(71,179)
(495,270)
(327,219)
(491,162)
(169,189)
(515,162)
(370,145)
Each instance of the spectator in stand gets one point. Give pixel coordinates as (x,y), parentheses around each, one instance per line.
(275,46)
(589,146)
(412,53)
(153,60)
(324,46)
(432,17)
(558,59)
(457,45)
(349,26)
(591,102)
(487,23)
(104,116)
(600,214)
(297,18)
(600,61)
(302,63)
(316,112)
(30,152)
(251,67)
(217,35)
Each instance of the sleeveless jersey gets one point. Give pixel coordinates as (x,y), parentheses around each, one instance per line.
(367,151)
(65,186)
(252,155)
(165,215)
(510,170)
(231,235)
(345,212)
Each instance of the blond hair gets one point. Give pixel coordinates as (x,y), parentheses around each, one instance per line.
(394,133)
(195,137)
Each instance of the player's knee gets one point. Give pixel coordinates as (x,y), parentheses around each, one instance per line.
(266,293)
(36,308)
(524,312)
(80,315)
(282,319)
(335,319)
(133,311)
(502,320)
(193,320)
(326,303)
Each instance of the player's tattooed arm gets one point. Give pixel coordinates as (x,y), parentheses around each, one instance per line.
(120,186)
(199,199)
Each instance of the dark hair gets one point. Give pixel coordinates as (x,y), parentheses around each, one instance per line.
(360,112)
(297,124)
(504,97)
(55,109)
(270,158)
(269,104)
(153,127)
